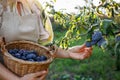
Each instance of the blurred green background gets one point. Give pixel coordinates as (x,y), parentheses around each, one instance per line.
(100,66)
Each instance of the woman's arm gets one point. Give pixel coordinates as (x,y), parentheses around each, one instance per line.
(5,74)
(61,53)
(75,52)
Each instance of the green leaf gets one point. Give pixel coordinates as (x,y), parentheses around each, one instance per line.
(112,12)
(117,52)
(54,0)
(117,48)
(103,1)
(105,26)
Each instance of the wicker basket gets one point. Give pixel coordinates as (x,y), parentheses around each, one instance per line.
(21,67)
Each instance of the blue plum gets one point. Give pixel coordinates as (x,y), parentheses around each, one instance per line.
(97,35)
(43,57)
(21,51)
(93,42)
(23,57)
(28,55)
(102,42)
(31,56)
(17,55)
(117,38)
(32,60)
(88,43)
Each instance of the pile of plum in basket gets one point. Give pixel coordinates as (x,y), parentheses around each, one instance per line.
(28,55)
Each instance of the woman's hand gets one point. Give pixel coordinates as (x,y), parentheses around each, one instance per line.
(6,74)
(35,76)
(75,52)
(80,52)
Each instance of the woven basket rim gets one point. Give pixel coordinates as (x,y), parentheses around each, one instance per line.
(28,62)
(26,41)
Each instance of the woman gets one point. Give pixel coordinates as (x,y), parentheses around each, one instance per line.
(24,20)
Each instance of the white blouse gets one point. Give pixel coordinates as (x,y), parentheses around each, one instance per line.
(26,25)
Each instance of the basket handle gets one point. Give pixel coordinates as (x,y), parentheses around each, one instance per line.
(2,45)
(53,49)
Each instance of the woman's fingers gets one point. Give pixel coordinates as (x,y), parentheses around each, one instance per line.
(33,76)
(83,54)
(43,76)
(89,49)
(38,74)
(87,53)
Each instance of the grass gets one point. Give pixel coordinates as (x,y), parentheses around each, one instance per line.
(100,66)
